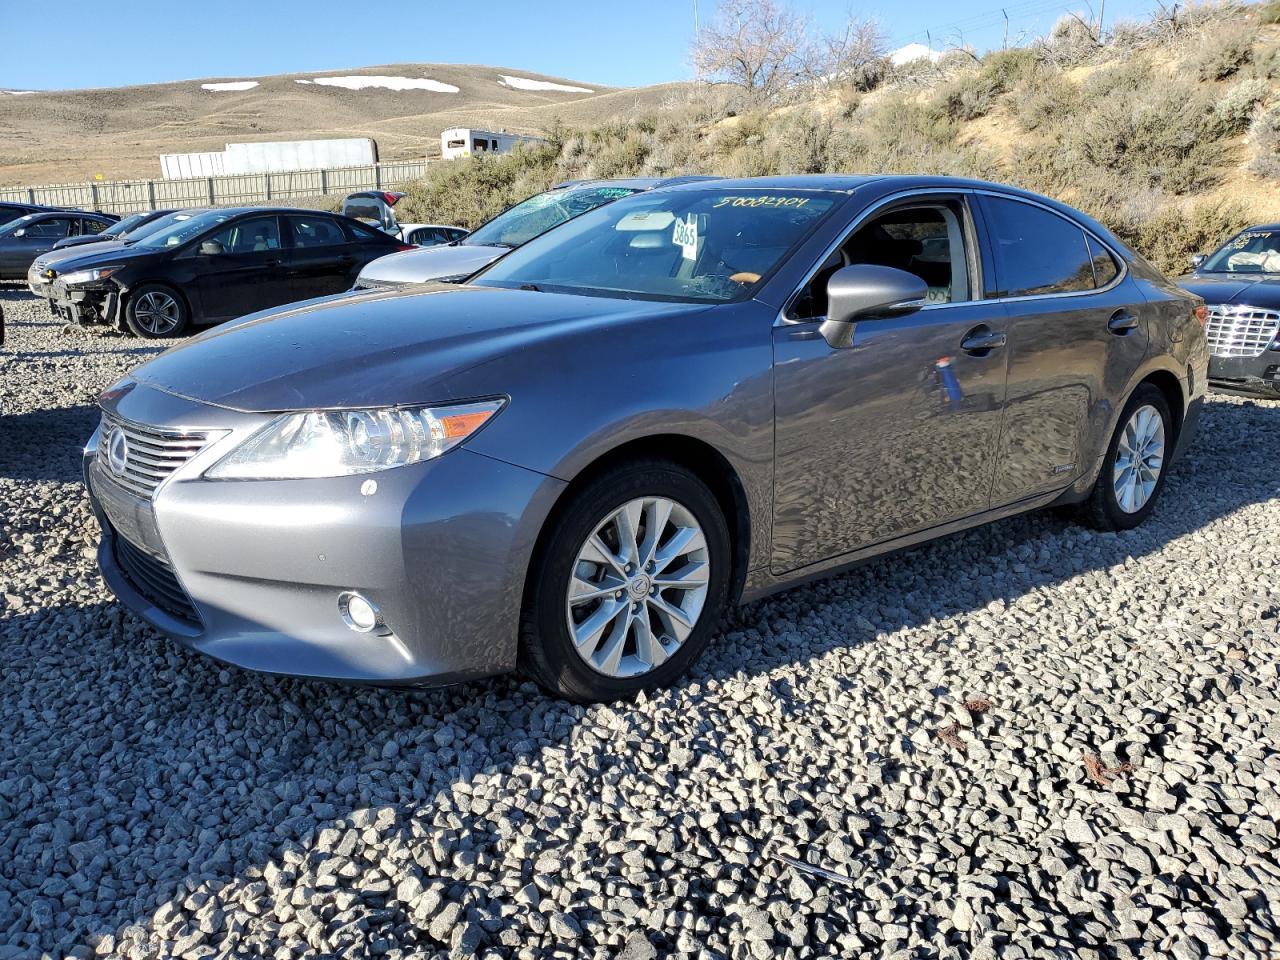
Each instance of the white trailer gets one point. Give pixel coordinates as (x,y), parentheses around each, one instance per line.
(271,158)
(464,141)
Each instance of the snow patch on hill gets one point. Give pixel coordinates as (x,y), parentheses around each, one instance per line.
(230,85)
(524,83)
(384,83)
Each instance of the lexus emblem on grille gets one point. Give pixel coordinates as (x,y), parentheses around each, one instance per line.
(117,451)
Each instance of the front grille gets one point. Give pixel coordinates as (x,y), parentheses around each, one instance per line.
(1240,331)
(152,453)
(153,578)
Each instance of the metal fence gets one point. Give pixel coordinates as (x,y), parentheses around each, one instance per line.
(131,196)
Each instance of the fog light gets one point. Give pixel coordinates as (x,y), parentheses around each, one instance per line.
(359,613)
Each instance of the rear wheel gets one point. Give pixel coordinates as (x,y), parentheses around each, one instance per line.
(1133,470)
(157,312)
(631,584)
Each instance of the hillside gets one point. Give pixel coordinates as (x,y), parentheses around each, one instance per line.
(74,135)
(1167,130)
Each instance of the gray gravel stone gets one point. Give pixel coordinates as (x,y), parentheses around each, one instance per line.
(157,803)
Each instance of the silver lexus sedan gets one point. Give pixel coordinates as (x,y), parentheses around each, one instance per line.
(687,398)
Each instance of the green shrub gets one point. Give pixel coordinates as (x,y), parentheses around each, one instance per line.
(1264,143)
(1045,99)
(974,93)
(1173,233)
(1168,137)
(1221,53)
(1235,107)
(469,191)
(1269,12)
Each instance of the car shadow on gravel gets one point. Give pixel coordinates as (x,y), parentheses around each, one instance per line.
(45,444)
(167,771)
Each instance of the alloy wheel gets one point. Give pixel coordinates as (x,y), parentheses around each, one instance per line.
(637,587)
(1139,459)
(157,312)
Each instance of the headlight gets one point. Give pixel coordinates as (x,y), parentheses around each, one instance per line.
(344,442)
(80,277)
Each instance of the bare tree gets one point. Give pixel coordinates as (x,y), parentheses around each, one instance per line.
(854,55)
(762,46)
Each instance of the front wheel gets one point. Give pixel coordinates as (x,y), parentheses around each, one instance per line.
(631,584)
(1133,471)
(156,312)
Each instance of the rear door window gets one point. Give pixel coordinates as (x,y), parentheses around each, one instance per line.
(316,232)
(88,226)
(1037,252)
(255,235)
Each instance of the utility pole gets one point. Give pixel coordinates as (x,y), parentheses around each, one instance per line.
(695,17)
(1006,27)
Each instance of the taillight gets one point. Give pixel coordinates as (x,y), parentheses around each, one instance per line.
(1202,314)
(391,197)
(405,246)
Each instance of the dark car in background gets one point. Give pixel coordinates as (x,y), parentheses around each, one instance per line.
(215,266)
(116,231)
(12,211)
(28,236)
(685,399)
(1240,284)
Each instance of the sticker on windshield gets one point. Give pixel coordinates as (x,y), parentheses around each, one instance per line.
(792,202)
(685,235)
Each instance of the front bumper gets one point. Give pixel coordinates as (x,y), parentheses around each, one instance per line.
(441,548)
(1256,376)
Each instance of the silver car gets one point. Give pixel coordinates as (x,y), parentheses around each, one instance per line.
(516,225)
(687,398)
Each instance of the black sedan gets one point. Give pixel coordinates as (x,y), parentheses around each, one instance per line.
(215,266)
(116,231)
(24,239)
(1240,284)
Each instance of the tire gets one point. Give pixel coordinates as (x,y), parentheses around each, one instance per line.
(157,312)
(632,651)
(1108,510)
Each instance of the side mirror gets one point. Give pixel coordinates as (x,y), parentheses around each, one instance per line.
(212,248)
(863,291)
(1198,259)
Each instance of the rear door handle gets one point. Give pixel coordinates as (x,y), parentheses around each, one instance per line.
(1122,322)
(981,340)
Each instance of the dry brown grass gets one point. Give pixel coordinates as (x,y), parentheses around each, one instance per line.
(1100,773)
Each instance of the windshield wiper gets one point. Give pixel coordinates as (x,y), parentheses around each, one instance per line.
(530,286)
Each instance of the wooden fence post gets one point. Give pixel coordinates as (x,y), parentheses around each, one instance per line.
(211,191)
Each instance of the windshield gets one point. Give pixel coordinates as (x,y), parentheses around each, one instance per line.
(538,214)
(123,226)
(700,246)
(1253,251)
(180,229)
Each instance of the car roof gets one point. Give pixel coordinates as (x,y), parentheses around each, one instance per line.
(39,215)
(237,211)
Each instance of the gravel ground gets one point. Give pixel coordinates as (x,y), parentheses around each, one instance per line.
(1030,740)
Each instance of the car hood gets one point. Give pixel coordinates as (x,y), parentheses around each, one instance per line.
(98,254)
(57,255)
(381,348)
(1262,290)
(431,263)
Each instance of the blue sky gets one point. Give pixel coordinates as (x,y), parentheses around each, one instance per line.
(623,43)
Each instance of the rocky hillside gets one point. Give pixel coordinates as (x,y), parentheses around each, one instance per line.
(1167,130)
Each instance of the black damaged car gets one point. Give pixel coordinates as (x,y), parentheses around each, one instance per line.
(213,267)
(1240,284)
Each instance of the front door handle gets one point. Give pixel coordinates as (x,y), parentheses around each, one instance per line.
(1122,322)
(981,340)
